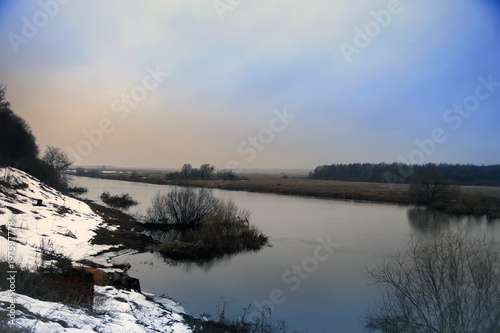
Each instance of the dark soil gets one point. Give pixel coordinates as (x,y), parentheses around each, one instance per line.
(129,234)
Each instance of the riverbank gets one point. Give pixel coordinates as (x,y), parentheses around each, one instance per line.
(41,229)
(473,200)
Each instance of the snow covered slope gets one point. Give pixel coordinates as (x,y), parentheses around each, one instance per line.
(65,225)
(62,223)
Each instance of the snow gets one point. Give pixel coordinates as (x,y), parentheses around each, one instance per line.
(114,311)
(62,224)
(65,225)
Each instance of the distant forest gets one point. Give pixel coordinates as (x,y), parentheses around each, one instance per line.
(460,174)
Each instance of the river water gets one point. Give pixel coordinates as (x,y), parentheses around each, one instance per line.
(314,274)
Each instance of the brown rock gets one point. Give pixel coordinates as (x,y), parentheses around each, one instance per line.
(100,277)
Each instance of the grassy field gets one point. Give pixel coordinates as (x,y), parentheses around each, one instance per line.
(299,185)
(474,200)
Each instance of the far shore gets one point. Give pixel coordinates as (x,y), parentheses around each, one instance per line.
(474,200)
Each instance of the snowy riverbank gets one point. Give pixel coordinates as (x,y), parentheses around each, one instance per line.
(36,218)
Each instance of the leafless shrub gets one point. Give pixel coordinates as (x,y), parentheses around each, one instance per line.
(429,187)
(182,207)
(448,283)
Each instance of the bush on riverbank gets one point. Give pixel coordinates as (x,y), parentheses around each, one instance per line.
(77,190)
(473,205)
(118,201)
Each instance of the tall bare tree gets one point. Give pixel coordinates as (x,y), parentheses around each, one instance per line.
(429,187)
(57,158)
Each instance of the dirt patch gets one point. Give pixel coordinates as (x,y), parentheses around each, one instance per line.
(128,233)
(14,210)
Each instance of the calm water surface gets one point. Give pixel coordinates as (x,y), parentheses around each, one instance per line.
(314,296)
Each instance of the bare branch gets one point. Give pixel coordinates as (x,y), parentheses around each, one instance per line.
(447,283)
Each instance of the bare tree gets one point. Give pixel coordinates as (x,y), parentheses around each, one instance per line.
(429,187)
(183,207)
(207,171)
(57,158)
(448,283)
(186,171)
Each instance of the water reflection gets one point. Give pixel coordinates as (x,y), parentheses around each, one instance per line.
(187,266)
(205,265)
(425,220)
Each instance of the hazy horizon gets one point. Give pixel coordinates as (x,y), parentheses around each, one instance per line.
(167,169)
(256,85)
(291,170)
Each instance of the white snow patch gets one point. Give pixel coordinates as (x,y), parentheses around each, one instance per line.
(65,225)
(114,311)
(62,224)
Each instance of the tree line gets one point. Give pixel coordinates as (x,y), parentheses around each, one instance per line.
(459,174)
(18,149)
(204,172)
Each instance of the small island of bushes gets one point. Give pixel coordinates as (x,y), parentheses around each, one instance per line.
(199,226)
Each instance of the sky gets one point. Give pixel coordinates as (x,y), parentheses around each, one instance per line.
(256,84)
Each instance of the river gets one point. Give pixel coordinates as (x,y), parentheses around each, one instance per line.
(314,274)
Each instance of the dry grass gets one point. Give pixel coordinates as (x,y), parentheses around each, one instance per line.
(474,200)
(300,185)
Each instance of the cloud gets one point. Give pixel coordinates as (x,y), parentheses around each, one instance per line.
(227,76)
